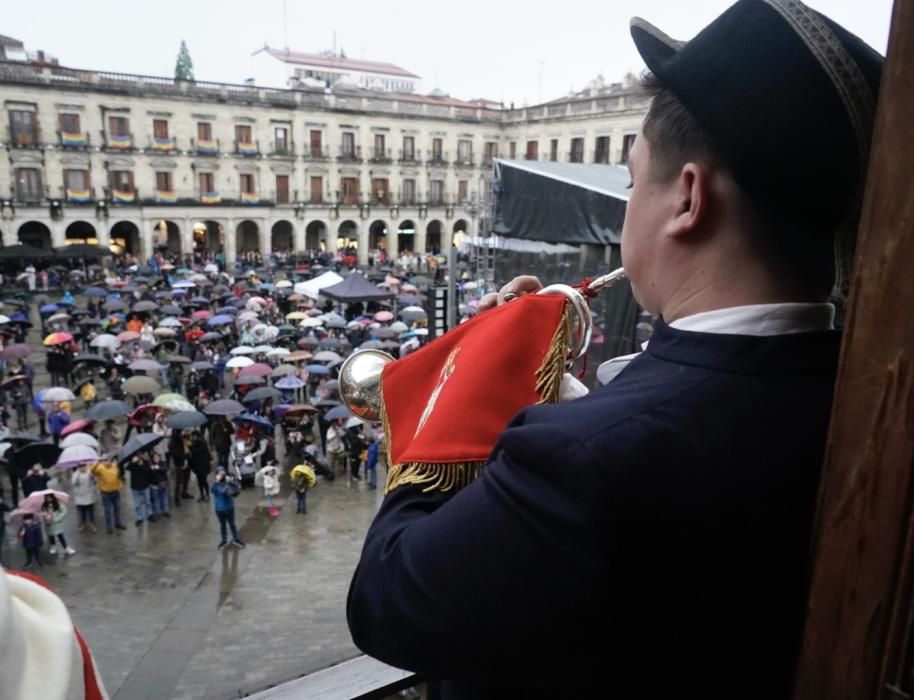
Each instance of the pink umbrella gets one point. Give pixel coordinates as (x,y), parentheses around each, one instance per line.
(77,426)
(201,315)
(391,281)
(383,316)
(258,369)
(128,336)
(32,502)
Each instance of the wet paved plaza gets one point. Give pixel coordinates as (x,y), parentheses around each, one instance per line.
(167,615)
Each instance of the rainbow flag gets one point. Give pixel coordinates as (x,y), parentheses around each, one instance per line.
(250,198)
(120,197)
(210,198)
(79,195)
(163,144)
(166,197)
(247,149)
(68,139)
(207,147)
(119,141)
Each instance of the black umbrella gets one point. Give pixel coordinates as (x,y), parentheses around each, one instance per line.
(87,322)
(178,360)
(223,407)
(185,419)
(96,360)
(97,292)
(171,310)
(145,306)
(170,345)
(203,366)
(211,336)
(261,393)
(137,444)
(115,305)
(106,410)
(43,453)
(249,379)
(20,437)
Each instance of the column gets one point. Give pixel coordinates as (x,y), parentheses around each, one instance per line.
(145,234)
(393,240)
(230,249)
(103,233)
(187,237)
(419,240)
(364,233)
(298,236)
(332,236)
(58,233)
(266,238)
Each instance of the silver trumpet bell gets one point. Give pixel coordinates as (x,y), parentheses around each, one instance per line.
(360,373)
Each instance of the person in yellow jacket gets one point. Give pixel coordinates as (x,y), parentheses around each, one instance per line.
(303,479)
(110,483)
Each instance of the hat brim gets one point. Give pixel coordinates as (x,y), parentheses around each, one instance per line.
(655,47)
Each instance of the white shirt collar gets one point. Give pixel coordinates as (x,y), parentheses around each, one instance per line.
(761,319)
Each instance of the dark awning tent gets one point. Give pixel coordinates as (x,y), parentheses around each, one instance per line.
(571,204)
(560,202)
(355,288)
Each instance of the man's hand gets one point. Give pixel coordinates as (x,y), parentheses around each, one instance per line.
(523,284)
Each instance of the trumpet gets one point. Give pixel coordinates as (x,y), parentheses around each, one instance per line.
(360,373)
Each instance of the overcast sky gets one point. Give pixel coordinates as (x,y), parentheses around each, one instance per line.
(471,48)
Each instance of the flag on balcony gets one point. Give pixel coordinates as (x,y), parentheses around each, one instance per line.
(250,198)
(247,149)
(122,197)
(166,197)
(79,195)
(210,198)
(119,141)
(167,144)
(207,146)
(68,139)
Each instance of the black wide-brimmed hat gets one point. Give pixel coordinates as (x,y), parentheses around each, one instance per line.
(786,96)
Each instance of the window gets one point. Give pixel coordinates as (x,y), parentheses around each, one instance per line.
(317,188)
(350,190)
(69,123)
(437,149)
(24,127)
(163,182)
(409,148)
(160,128)
(491,151)
(554,150)
(577,151)
(204,131)
(462,191)
(627,141)
(379,146)
(243,133)
(28,184)
(247,183)
(122,180)
(281,139)
(409,192)
(349,144)
(282,189)
(533,148)
(601,154)
(206,183)
(512,150)
(118,126)
(436,193)
(316,146)
(380,190)
(464,151)
(77,180)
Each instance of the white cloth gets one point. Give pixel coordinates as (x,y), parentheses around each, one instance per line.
(755,319)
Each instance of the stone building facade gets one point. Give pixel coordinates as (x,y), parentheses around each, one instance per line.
(140,161)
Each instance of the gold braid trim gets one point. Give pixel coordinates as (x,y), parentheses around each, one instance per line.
(455,475)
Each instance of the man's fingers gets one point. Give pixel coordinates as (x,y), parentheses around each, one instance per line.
(488,301)
(523,284)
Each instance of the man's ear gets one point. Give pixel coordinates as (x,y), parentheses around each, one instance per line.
(692,190)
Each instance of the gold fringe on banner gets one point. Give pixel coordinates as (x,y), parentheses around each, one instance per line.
(455,475)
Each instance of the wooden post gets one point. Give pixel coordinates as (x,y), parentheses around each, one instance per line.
(861,594)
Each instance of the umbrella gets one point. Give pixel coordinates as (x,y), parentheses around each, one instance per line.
(223,407)
(141,385)
(338,413)
(173,402)
(96,360)
(249,380)
(137,444)
(220,320)
(296,316)
(33,502)
(398,327)
(383,316)
(241,350)
(53,319)
(297,408)
(145,306)
(145,365)
(263,349)
(128,336)
(75,455)
(171,310)
(289,382)
(96,292)
(13,380)
(278,352)
(57,394)
(105,340)
(353,422)
(170,322)
(77,426)
(298,356)
(16,351)
(317,369)
(210,337)
(183,284)
(203,366)
(283,370)
(43,453)
(201,315)
(58,338)
(327,356)
(258,369)
(107,410)
(261,393)
(182,420)
(79,439)
(240,361)
(115,305)
(48,308)
(178,360)
(165,332)
(255,419)
(413,313)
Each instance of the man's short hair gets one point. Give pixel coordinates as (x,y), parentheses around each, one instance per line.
(804,257)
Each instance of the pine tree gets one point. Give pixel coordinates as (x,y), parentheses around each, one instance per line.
(184,68)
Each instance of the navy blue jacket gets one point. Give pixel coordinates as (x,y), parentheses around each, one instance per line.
(649,540)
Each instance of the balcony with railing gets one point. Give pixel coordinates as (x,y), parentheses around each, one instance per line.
(315,153)
(74,140)
(78,195)
(412,157)
(464,160)
(205,147)
(282,149)
(409,200)
(576,156)
(162,144)
(438,159)
(350,155)
(247,148)
(117,142)
(381,155)
(24,138)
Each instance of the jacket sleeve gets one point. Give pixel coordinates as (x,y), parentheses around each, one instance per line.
(461,585)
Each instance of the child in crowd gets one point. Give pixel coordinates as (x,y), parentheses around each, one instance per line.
(54,512)
(85,491)
(303,479)
(270,477)
(32,538)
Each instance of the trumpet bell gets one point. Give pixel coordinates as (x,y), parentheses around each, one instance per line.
(360,383)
